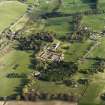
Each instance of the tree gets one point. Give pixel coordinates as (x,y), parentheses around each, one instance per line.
(58,71)
(25,93)
(102,96)
(97,1)
(58,4)
(95,4)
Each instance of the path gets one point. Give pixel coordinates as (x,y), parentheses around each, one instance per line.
(91,49)
(36,103)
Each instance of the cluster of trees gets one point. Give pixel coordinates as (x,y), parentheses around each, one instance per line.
(92,3)
(98,66)
(54,71)
(80,35)
(74,83)
(95,4)
(25,43)
(44,36)
(15,75)
(57,71)
(69,82)
(35,96)
(102,96)
(83,81)
(76,21)
(34,41)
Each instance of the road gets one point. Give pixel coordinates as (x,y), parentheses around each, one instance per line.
(35,103)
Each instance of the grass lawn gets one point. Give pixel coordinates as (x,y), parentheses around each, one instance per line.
(94,90)
(59,25)
(92,93)
(22,59)
(95,22)
(100,50)
(9,12)
(86,64)
(56,88)
(77,50)
(72,6)
(97,52)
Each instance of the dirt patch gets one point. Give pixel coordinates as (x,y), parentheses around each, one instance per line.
(36,103)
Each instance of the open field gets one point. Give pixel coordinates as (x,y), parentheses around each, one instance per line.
(72,6)
(61,25)
(8,62)
(95,22)
(9,12)
(77,50)
(93,92)
(18,61)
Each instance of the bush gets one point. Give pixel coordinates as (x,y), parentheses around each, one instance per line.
(65,46)
(68,82)
(102,96)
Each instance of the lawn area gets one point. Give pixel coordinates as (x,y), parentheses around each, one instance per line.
(68,6)
(92,93)
(95,22)
(97,87)
(72,6)
(9,12)
(57,88)
(77,50)
(100,50)
(59,25)
(102,4)
(30,1)
(94,90)
(19,24)
(22,59)
(86,64)
(97,52)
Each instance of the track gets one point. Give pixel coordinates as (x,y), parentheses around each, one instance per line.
(35,103)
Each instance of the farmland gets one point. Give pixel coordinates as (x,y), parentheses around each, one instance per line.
(55,50)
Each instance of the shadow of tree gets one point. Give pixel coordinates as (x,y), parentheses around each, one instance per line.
(91,3)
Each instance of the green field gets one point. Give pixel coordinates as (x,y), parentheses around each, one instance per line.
(77,50)
(95,22)
(59,25)
(22,59)
(18,61)
(72,6)
(9,12)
